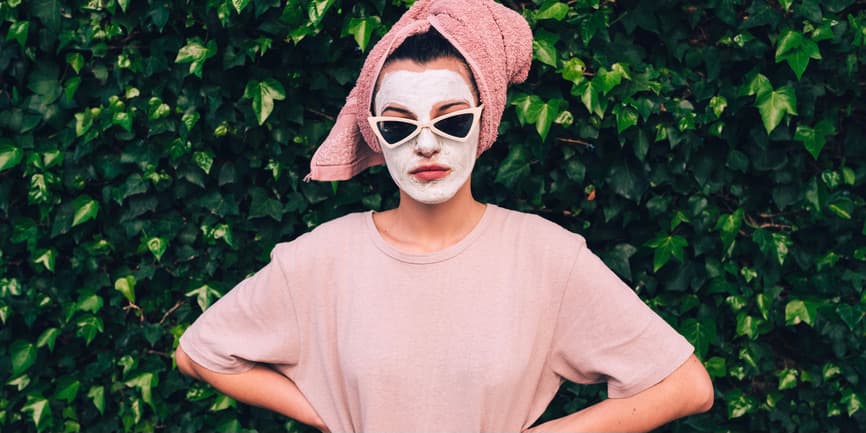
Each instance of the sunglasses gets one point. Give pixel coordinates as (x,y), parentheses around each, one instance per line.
(457,126)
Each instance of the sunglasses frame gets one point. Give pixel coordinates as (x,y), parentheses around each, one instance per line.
(476,116)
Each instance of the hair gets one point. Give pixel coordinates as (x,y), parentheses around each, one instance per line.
(426,47)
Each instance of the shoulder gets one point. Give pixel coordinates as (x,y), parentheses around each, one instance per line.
(531,228)
(323,239)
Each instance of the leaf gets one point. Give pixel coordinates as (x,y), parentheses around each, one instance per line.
(145,383)
(47,338)
(18,33)
(97,396)
(10,156)
(617,259)
(626,117)
(799,311)
(196,54)
(317,9)
(787,379)
(514,167)
(555,11)
(157,246)
(67,389)
(126,286)
(40,411)
(548,112)
(608,80)
(813,139)
(794,48)
(627,180)
(240,5)
(22,355)
(362,29)
(759,85)
(589,95)
(87,327)
(700,333)
(204,160)
(544,47)
(263,94)
(86,209)
(774,105)
(124,5)
(204,294)
(718,104)
(852,402)
(573,70)
(666,246)
(747,325)
(46,258)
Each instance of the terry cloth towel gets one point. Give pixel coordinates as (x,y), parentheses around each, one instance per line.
(496,43)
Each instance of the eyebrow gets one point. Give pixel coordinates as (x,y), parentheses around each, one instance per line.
(399,110)
(451,104)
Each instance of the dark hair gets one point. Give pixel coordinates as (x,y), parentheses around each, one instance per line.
(426,47)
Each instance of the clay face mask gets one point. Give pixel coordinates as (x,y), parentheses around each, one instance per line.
(430,167)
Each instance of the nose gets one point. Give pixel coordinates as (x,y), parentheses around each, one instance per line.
(427,143)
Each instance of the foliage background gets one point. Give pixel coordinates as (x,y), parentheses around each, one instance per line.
(152,153)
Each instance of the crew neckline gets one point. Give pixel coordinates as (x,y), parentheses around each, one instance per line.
(435,256)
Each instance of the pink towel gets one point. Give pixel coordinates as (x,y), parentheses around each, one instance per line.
(494,40)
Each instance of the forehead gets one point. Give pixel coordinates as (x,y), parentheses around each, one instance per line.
(407,78)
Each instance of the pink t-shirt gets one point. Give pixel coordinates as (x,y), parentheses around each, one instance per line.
(476,337)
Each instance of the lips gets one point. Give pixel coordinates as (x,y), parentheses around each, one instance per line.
(430,172)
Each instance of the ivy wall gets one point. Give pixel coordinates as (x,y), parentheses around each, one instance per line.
(152,153)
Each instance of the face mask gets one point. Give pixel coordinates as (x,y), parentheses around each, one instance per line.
(429,161)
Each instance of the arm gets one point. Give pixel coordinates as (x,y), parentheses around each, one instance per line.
(684,392)
(259,386)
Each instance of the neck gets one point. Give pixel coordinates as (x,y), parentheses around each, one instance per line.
(420,227)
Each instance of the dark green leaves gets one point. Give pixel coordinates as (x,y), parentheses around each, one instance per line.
(796,49)
(533,109)
(196,53)
(774,105)
(667,246)
(23,355)
(813,139)
(10,156)
(263,94)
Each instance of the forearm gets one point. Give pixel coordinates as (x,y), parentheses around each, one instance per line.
(259,386)
(685,392)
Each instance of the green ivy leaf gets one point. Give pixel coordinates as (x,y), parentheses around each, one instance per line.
(67,389)
(774,105)
(548,112)
(718,104)
(799,311)
(124,5)
(716,367)
(700,333)
(772,244)
(666,246)
(97,396)
(317,10)
(787,379)
(157,246)
(48,338)
(729,226)
(204,160)
(195,53)
(747,325)
(608,80)
(852,402)
(759,85)
(39,409)
(263,94)
(126,286)
(46,258)
(10,156)
(573,70)
(86,209)
(626,117)
(544,47)
(552,11)
(22,355)
(794,48)
(87,327)
(589,95)
(813,139)
(18,33)
(362,30)
(514,167)
(739,403)
(240,5)
(145,383)
(204,294)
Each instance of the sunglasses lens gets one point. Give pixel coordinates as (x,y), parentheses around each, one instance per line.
(456,126)
(394,131)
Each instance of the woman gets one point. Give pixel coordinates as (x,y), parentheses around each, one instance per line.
(443,314)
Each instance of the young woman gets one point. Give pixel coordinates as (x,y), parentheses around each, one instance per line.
(443,314)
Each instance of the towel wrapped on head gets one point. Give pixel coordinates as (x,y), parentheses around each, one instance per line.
(496,43)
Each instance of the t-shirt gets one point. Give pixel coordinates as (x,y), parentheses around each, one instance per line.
(475,337)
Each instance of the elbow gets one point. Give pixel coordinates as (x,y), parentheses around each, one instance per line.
(703,391)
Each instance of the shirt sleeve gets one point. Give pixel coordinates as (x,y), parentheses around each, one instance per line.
(605,333)
(254,322)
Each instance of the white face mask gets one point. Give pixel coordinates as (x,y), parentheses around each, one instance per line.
(448,163)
